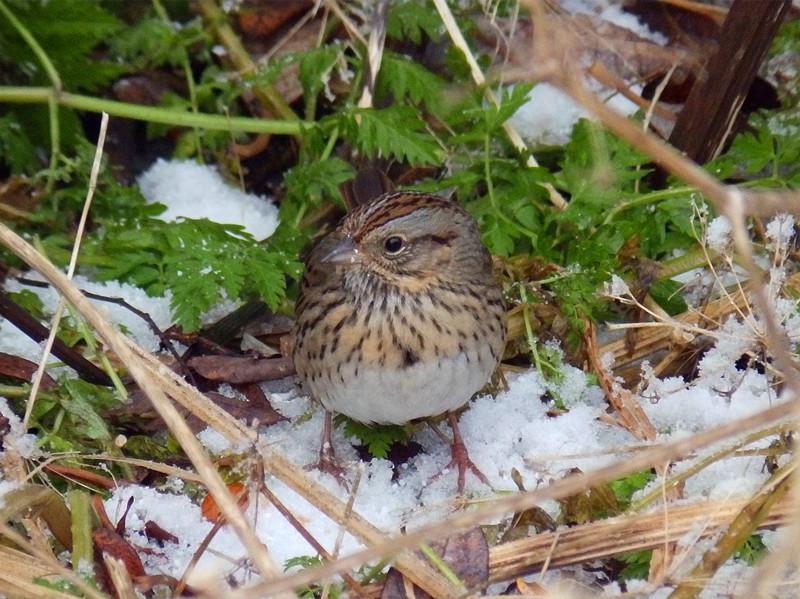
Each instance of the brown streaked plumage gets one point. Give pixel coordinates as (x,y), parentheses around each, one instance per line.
(399,314)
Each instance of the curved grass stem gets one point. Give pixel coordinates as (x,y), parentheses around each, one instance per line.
(55,79)
(153,114)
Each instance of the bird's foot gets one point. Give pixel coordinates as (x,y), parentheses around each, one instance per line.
(329,464)
(327,458)
(460,459)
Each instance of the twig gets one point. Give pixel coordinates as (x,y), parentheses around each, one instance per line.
(303,532)
(163,339)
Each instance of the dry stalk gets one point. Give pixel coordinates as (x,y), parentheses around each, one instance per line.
(37,560)
(120,579)
(676,334)
(740,528)
(630,414)
(606,538)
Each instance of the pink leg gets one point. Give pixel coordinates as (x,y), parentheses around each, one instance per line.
(327,458)
(460,458)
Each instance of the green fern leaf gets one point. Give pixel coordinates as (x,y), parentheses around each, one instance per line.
(394,132)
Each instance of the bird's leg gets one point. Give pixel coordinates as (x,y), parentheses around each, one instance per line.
(327,458)
(460,458)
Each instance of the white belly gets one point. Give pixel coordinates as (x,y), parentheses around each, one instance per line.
(397,395)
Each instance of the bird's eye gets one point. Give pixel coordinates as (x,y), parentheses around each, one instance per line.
(393,244)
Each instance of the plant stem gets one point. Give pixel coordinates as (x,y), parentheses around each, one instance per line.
(55,80)
(187,73)
(153,114)
(240,57)
(492,199)
(47,65)
(647,198)
(740,528)
(677,479)
(81,527)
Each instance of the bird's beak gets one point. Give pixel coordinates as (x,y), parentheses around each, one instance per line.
(344,252)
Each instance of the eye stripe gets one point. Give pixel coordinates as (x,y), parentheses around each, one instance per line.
(445,239)
(392,206)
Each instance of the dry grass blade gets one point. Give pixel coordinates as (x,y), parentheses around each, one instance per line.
(123,586)
(739,529)
(606,538)
(48,346)
(678,333)
(19,569)
(39,561)
(630,414)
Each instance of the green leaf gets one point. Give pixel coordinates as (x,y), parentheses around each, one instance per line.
(668,295)
(497,238)
(409,20)
(401,77)
(311,182)
(198,261)
(151,42)
(752,550)
(638,565)
(67,31)
(576,291)
(83,404)
(625,487)
(787,41)
(267,274)
(377,438)
(394,132)
(598,171)
(302,562)
(203,266)
(511,99)
(208,262)
(30,302)
(768,154)
(16,149)
(315,68)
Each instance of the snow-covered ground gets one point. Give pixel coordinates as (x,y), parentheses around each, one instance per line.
(512,430)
